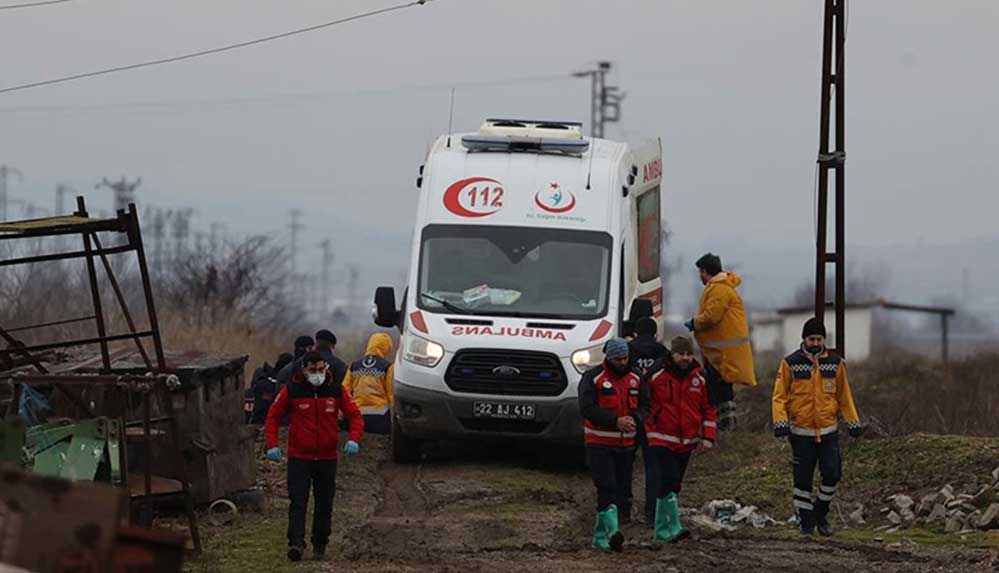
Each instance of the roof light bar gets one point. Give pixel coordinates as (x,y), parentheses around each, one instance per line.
(535,144)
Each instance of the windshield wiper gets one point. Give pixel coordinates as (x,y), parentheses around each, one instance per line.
(447,305)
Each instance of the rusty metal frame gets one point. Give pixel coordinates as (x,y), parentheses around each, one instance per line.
(126,223)
(152,386)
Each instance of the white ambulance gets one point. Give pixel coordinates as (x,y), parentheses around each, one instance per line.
(533,246)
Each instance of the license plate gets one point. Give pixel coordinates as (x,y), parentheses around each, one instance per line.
(504,411)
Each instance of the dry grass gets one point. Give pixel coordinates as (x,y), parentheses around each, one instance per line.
(901,394)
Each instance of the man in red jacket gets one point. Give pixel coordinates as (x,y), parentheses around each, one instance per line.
(312,401)
(682,419)
(613,401)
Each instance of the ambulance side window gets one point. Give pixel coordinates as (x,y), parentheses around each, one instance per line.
(649,235)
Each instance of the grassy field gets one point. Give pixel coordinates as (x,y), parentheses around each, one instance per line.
(752,468)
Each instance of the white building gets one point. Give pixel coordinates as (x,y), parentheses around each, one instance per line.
(780,332)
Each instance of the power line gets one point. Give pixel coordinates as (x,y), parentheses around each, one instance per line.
(297,98)
(32,4)
(201,53)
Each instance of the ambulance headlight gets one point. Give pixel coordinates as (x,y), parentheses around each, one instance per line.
(422,351)
(587,358)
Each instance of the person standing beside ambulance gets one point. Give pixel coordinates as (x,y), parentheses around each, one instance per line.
(369,382)
(722,332)
(613,401)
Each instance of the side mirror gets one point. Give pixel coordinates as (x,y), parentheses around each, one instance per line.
(387,314)
(640,308)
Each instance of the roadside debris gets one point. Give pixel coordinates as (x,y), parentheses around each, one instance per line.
(726,515)
(975,509)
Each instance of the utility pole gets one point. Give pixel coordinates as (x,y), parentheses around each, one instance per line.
(5,172)
(60,204)
(324,288)
(832,160)
(295,226)
(124,191)
(605,101)
(181,230)
(159,222)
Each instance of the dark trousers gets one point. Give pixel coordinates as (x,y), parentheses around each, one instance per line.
(652,473)
(722,395)
(807,454)
(672,467)
(612,472)
(320,477)
(378,423)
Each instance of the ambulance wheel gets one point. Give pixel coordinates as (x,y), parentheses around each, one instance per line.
(405,450)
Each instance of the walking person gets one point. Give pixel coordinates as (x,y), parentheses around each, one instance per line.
(647,355)
(682,420)
(369,381)
(722,332)
(613,401)
(810,394)
(312,400)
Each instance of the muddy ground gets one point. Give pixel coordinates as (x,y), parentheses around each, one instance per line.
(496,508)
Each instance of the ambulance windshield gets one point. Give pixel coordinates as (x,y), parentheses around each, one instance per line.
(515,271)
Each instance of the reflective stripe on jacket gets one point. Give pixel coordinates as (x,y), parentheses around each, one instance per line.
(681,414)
(369,380)
(312,413)
(722,331)
(811,392)
(603,398)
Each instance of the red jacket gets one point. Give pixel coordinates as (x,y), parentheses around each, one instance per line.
(603,398)
(313,428)
(681,415)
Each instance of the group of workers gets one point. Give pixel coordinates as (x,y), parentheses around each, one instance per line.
(316,394)
(643,395)
(667,403)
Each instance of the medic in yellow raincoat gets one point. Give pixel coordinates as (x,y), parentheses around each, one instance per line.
(369,382)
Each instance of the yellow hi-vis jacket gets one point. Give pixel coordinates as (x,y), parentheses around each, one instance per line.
(811,392)
(369,380)
(722,331)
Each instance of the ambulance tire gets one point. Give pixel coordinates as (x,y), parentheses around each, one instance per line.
(405,450)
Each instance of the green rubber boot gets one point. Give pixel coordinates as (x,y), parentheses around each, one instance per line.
(601,540)
(676,530)
(662,530)
(614,536)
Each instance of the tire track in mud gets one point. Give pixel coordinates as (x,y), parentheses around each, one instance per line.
(489,511)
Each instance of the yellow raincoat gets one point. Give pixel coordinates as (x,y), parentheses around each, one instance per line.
(810,394)
(369,380)
(722,331)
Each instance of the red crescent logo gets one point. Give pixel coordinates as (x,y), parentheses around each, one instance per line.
(488,198)
(566,209)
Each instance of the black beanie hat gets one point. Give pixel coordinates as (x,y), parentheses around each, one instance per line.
(646,326)
(326,335)
(812,327)
(283,360)
(710,264)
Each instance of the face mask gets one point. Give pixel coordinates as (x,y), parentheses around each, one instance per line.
(316,379)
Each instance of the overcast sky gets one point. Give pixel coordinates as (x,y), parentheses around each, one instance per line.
(338,120)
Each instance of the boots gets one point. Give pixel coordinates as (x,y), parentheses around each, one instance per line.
(606,535)
(806,520)
(821,518)
(667,522)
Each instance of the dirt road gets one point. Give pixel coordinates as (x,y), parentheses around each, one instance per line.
(499,509)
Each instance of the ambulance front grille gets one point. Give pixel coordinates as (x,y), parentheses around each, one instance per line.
(506,373)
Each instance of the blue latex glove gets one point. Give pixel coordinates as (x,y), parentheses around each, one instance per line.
(275,454)
(690,325)
(351,448)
